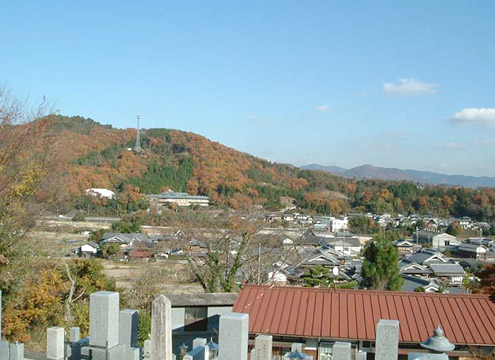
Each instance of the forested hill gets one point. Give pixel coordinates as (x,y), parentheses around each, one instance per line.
(98,156)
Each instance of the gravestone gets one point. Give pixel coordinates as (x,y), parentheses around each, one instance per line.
(4,350)
(128,327)
(233,336)
(16,351)
(104,319)
(55,337)
(263,347)
(341,351)
(147,349)
(161,329)
(201,352)
(387,340)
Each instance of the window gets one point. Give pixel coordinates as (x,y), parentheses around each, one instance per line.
(196,318)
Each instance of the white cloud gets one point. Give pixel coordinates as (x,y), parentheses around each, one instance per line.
(488,142)
(324,109)
(410,87)
(454,146)
(474,116)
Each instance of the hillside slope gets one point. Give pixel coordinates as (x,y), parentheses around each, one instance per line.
(99,156)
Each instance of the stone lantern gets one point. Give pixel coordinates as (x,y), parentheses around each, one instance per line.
(437,344)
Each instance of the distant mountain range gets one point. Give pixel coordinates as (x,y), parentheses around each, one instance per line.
(426,177)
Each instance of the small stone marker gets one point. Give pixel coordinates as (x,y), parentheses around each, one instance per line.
(233,337)
(55,337)
(16,351)
(104,319)
(387,340)
(263,347)
(201,352)
(4,350)
(198,342)
(75,334)
(132,353)
(296,347)
(128,330)
(341,351)
(361,355)
(161,329)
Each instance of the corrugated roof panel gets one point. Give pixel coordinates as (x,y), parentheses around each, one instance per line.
(471,304)
(353,314)
(335,316)
(327,315)
(351,317)
(284,325)
(317,319)
(344,316)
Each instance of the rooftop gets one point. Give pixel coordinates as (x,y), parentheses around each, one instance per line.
(353,314)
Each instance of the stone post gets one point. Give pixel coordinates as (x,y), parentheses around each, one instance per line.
(16,351)
(75,334)
(296,347)
(342,351)
(387,340)
(128,331)
(263,347)
(198,342)
(132,353)
(233,337)
(361,355)
(161,329)
(147,349)
(201,352)
(104,319)
(55,337)
(4,350)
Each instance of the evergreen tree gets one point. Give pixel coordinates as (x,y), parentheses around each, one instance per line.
(317,276)
(381,266)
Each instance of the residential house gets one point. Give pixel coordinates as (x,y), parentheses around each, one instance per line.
(437,241)
(453,274)
(88,250)
(404,246)
(476,251)
(413,283)
(350,246)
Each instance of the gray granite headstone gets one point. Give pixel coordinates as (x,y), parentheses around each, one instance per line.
(129,324)
(55,338)
(102,353)
(16,351)
(263,347)
(341,351)
(4,350)
(147,348)
(161,329)
(201,352)
(233,336)
(427,356)
(104,319)
(75,334)
(387,340)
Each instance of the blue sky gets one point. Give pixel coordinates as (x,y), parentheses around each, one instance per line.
(407,84)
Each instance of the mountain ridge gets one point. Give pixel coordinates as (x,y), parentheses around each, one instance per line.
(368,171)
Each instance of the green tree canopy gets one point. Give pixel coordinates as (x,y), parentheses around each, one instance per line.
(381,266)
(317,276)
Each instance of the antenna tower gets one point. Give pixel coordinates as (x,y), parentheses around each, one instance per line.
(137,147)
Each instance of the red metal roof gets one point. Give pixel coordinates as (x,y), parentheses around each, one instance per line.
(353,314)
